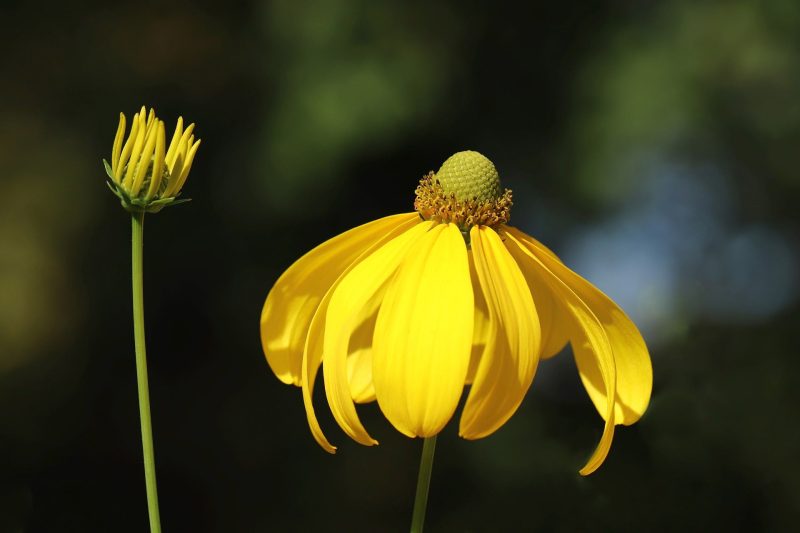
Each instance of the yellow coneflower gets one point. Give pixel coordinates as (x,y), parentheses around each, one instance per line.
(145,174)
(409,309)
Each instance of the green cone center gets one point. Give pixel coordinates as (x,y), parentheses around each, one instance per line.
(470,176)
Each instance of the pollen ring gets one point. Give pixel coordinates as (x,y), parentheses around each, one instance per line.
(433,203)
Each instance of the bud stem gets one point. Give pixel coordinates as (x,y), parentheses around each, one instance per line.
(137,230)
(423,484)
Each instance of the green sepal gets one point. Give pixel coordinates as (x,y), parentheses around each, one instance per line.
(108,169)
(139,205)
(119,191)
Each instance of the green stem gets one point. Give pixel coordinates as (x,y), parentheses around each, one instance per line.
(137,230)
(423,483)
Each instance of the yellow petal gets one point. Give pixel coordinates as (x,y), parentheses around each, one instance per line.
(506,369)
(423,335)
(631,358)
(127,149)
(172,185)
(312,353)
(359,360)
(145,159)
(183,143)
(136,152)
(187,166)
(292,301)
(173,145)
(587,334)
(480,328)
(117,149)
(158,162)
(151,116)
(555,325)
(359,288)
(179,163)
(359,375)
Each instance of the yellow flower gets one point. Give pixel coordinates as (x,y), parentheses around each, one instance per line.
(145,174)
(410,308)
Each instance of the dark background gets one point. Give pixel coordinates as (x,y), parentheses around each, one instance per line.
(654,145)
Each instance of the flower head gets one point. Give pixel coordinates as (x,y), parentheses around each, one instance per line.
(409,309)
(145,174)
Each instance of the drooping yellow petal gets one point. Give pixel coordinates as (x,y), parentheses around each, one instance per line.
(312,353)
(158,161)
(359,288)
(555,326)
(588,334)
(423,335)
(359,375)
(294,298)
(117,149)
(554,323)
(480,328)
(631,358)
(507,366)
(359,360)
(555,330)
(312,359)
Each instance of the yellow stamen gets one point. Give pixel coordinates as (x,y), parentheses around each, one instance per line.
(466,192)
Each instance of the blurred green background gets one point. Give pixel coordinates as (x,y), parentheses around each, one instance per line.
(654,145)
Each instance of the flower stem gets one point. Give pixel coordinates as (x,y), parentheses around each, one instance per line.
(423,483)
(137,229)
